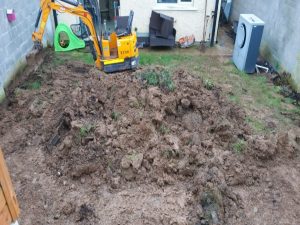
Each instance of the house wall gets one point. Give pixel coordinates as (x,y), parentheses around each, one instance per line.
(15,37)
(189,18)
(281,38)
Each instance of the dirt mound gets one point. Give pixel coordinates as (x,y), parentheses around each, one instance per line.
(140,132)
(139,154)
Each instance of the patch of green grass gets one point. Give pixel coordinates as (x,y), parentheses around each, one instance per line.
(115,115)
(152,58)
(172,58)
(85,130)
(257,125)
(58,59)
(239,146)
(208,84)
(35,85)
(234,98)
(76,55)
(158,77)
(289,100)
(151,77)
(163,129)
(85,57)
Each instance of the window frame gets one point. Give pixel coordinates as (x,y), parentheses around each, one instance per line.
(179,6)
(179,2)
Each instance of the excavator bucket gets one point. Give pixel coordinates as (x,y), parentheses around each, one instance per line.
(35,57)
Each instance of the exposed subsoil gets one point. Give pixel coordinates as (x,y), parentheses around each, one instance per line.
(89,148)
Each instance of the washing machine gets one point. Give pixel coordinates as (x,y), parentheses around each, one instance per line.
(247,42)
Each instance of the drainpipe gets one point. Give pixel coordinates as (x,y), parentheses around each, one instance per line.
(204,23)
(212,41)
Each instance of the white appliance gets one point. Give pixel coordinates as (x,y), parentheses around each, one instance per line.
(247,42)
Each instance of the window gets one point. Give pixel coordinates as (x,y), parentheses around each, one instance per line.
(167,1)
(174,1)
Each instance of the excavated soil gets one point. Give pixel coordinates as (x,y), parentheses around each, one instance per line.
(89,148)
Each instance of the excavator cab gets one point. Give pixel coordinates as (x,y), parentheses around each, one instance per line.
(112,52)
(119,48)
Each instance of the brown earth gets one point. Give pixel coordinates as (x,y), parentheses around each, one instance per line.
(89,148)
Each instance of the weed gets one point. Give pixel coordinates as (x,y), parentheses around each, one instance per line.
(164,129)
(161,78)
(115,115)
(85,130)
(169,154)
(166,81)
(239,146)
(208,84)
(151,77)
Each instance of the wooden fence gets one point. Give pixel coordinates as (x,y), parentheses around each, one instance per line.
(9,207)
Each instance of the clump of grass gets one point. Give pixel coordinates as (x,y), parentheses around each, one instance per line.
(115,115)
(239,146)
(208,84)
(163,129)
(170,153)
(35,85)
(158,77)
(85,130)
(256,125)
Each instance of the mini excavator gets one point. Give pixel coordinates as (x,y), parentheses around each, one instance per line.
(113,52)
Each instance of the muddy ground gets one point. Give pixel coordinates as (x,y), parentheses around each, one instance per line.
(88,148)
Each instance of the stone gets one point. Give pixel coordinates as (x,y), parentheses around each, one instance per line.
(76,124)
(125,162)
(115,182)
(100,130)
(185,103)
(68,142)
(137,160)
(134,160)
(56,216)
(173,141)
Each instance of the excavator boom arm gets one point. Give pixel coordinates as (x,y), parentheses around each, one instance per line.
(47,6)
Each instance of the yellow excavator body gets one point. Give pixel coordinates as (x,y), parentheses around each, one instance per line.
(114,52)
